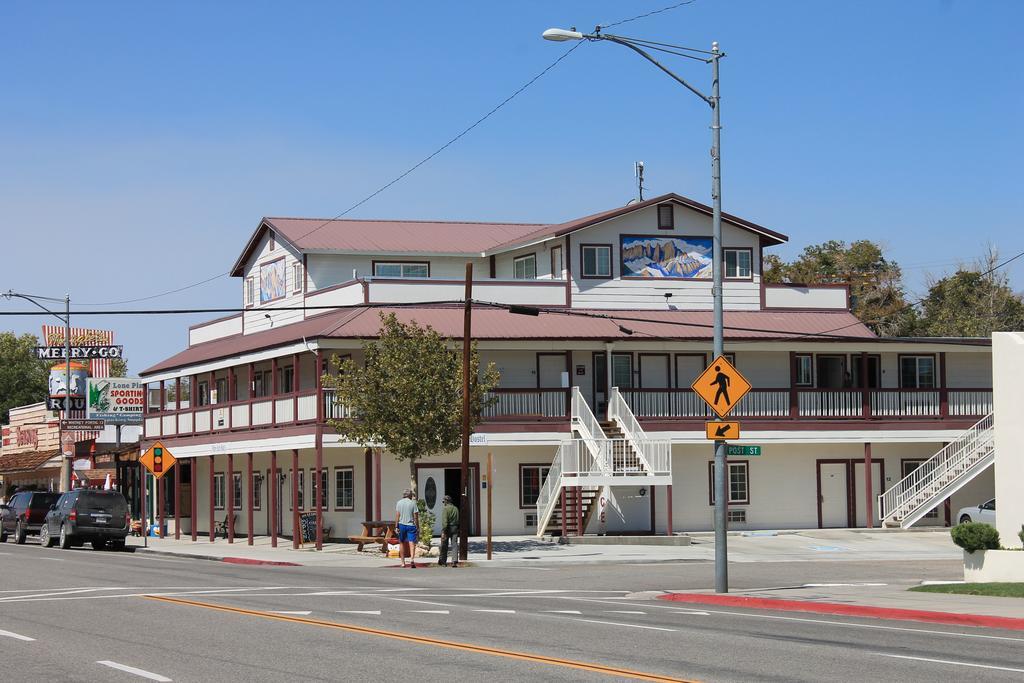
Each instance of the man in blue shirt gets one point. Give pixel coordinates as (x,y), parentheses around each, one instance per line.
(407,519)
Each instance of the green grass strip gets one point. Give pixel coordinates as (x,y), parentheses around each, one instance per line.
(999,590)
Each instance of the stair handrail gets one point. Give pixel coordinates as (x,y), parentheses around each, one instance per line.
(619,411)
(585,422)
(951,456)
(550,489)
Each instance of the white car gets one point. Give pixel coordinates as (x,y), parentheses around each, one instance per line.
(986,512)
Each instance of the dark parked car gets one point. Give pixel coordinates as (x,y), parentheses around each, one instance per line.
(5,512)
(99,517)
(28,509)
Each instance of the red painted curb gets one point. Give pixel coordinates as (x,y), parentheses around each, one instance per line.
(272,563)
(952,618)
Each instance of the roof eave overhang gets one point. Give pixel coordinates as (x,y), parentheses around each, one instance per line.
(238,270)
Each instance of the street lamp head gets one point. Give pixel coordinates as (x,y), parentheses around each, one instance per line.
(560,35)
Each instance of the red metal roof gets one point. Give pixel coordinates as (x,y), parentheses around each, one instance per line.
(569,324)
(448,237)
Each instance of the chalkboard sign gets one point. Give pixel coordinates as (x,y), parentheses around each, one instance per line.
(307,527)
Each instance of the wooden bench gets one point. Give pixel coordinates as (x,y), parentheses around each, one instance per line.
(374,531)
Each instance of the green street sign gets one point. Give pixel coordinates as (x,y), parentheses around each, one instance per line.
(743,450)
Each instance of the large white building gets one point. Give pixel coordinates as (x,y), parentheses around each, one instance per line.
(594,402)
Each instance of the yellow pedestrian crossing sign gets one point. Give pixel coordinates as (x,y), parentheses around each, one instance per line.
(721,386)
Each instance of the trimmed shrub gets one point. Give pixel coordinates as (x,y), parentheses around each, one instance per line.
(975,536)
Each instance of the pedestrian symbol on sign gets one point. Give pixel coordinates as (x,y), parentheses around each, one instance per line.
(721,386)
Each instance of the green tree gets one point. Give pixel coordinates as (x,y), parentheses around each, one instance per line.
(23,378)
(118,367)
(407,396)
(876,284)
(975,301)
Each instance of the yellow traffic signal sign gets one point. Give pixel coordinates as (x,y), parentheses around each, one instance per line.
(721,386)
(158,460)
(720,431)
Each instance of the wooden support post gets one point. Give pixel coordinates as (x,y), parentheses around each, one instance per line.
(490,489)
(193,498)
(230,485)
(561,494)
(273,390)
(868,497)
(296,537)
(213,522)
(865,396)
(177,497)
(274,502)
(249,498)
(376,483)
(943,389)
(579,510)
(668,505)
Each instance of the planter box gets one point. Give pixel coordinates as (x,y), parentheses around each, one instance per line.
(994,566)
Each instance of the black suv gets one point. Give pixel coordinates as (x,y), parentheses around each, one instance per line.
(28,509)
(99,517)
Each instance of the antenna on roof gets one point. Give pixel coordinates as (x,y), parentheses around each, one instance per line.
(638,173)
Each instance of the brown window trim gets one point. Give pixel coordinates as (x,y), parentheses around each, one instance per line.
(611,262)
(561,252)
(671,217)
(373,265)
(935,370)
(523,465)
(521,257)
(252,489)
(711,481)
(237,502)
(725,273)
(300,477)
(352,507)
(658,236)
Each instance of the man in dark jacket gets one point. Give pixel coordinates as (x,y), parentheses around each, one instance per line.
(449,533)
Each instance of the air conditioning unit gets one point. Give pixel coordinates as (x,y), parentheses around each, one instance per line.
(530,520)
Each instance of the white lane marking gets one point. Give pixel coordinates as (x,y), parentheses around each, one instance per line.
(141,673)
(496,611)
(50,559)
(52,594)
(375,612)
(300,613)
(617,623)
(16,636)
(624,611)
(423,602)
(947,661)
(430,611)
(823,621)
(561,611)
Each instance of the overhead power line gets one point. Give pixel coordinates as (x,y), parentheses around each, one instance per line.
(647,14)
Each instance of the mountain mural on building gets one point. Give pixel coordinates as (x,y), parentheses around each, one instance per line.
(667,257)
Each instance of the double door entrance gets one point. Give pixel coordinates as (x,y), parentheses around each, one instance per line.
(434,482)
(841,499)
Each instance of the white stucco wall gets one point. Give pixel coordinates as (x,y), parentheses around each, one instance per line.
(1007,380)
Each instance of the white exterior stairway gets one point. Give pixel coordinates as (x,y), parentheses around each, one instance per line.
(939,477)
(595,459)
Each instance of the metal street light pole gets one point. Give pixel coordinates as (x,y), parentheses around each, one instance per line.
(721,472)
(65,466)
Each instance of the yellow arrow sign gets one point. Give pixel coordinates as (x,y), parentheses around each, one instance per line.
(721,386)
(719,431)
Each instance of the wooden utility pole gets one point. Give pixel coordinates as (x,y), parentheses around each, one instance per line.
(464,504)
(490,488)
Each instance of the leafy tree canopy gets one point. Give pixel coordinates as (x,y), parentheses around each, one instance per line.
(876,285)
(974,301)
(407,395)
(23,378)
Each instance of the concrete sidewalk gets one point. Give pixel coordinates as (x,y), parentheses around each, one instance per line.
(793,546)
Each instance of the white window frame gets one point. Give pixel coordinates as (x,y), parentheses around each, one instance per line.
(297,277)
(325,480)
(736,273)
(737,466)
(917,371)
(219,492)
(542,473)
(800,359)
(250,291)
(597,248)
(521,267)
(402,267)
(341,487)
(240,492)
(256,489)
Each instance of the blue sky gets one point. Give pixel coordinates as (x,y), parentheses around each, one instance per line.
(142,142)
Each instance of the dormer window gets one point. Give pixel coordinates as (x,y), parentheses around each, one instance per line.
(525,267)
(666,217)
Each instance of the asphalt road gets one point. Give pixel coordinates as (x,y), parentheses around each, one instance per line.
(80,615)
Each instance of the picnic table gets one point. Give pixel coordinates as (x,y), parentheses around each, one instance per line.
(375,531)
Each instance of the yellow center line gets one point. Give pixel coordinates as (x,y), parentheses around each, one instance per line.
(423,640)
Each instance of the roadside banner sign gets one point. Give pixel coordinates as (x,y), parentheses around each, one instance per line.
(82,425)
(57,402)
(718,431)
(116,400)
(158,460)
(721,386)
(743,450)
